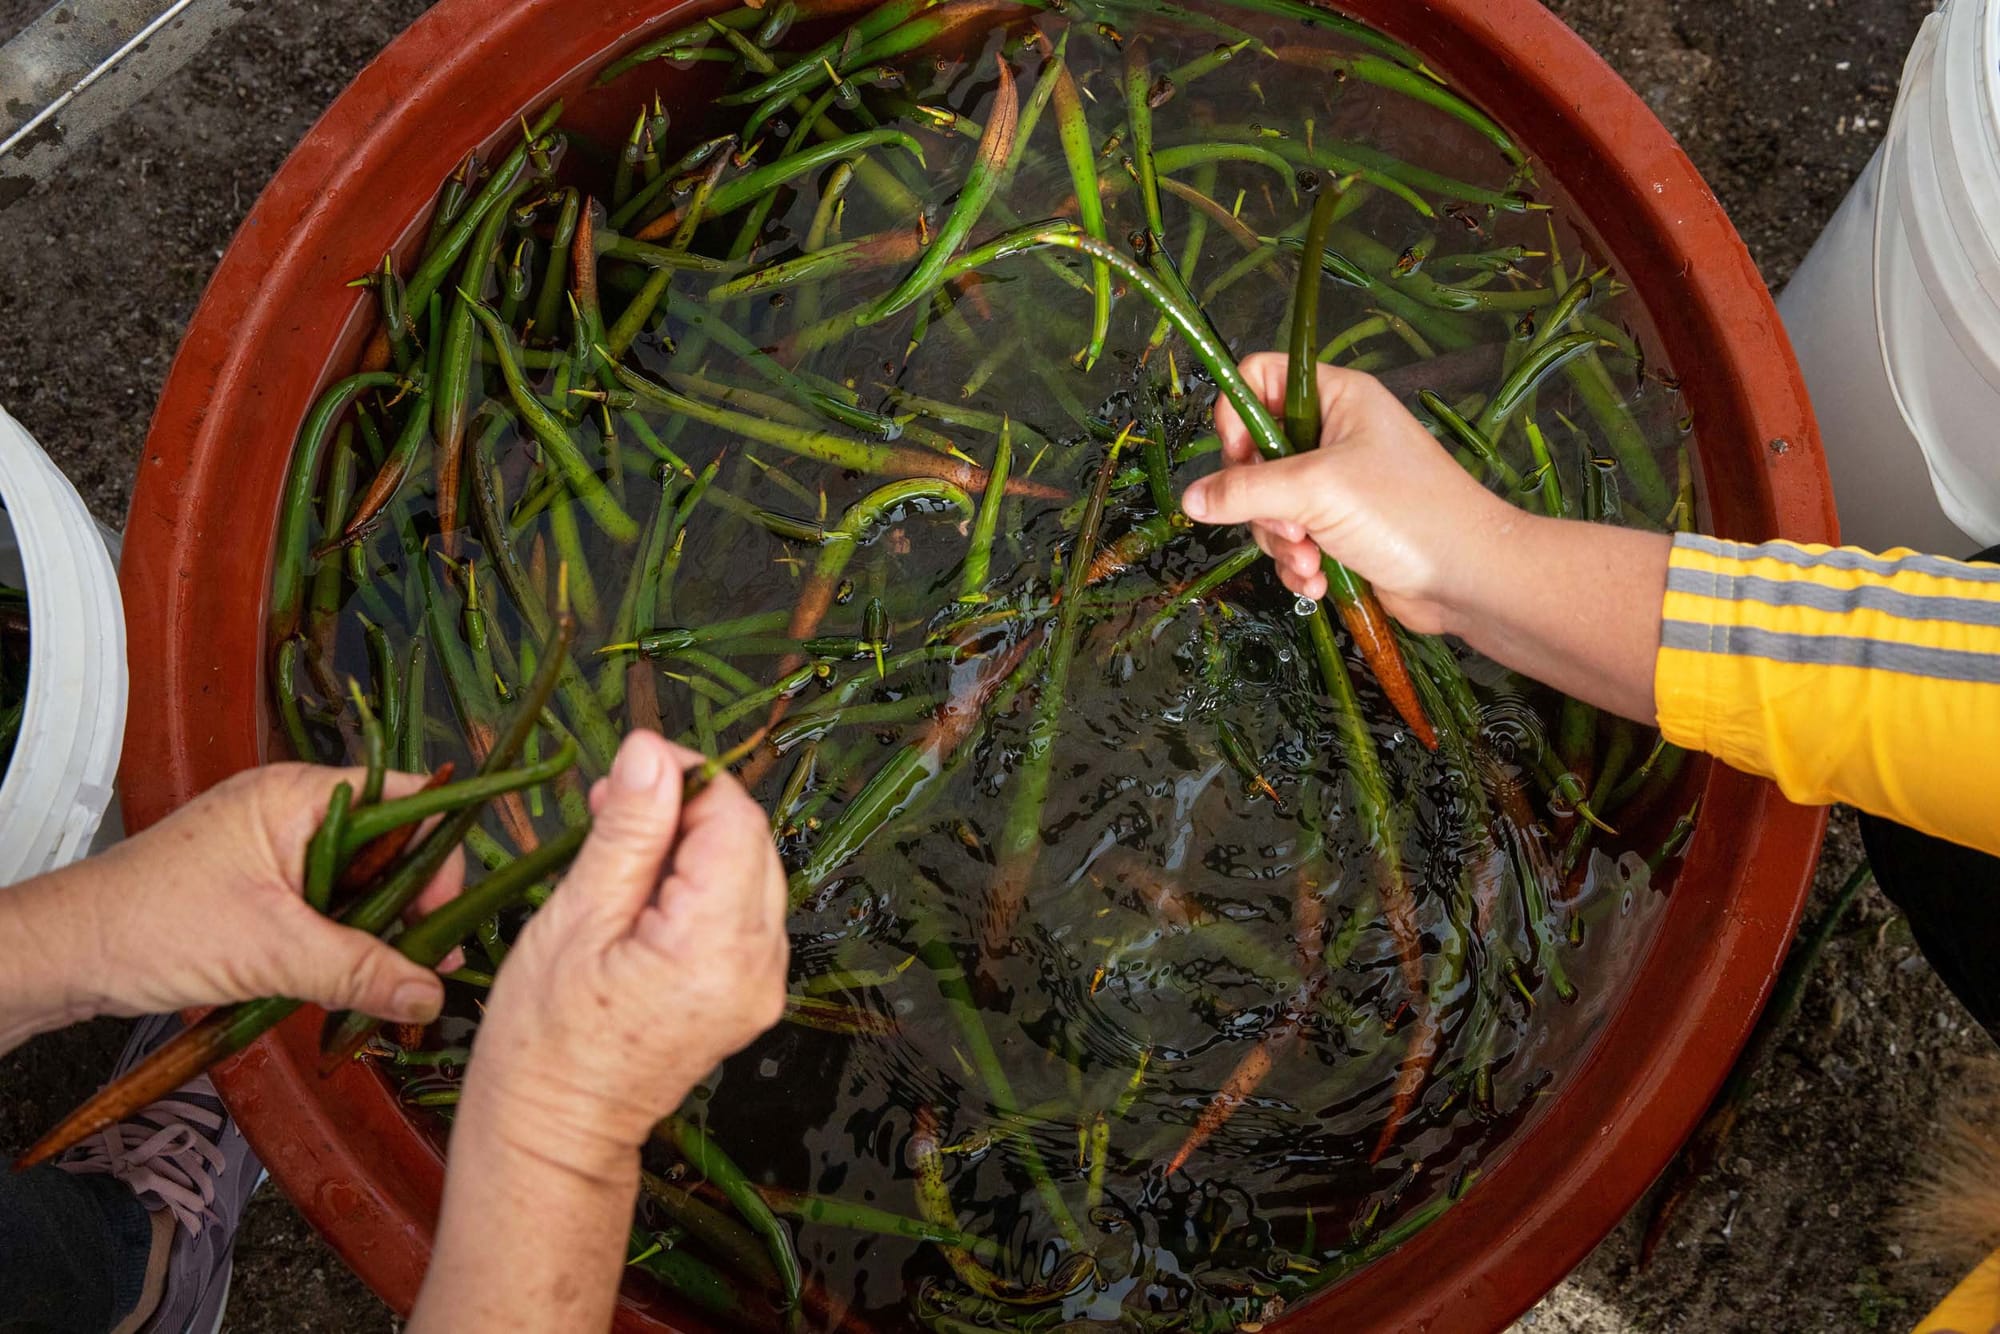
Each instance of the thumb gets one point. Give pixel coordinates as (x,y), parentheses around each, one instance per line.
(1281,490)
(635,814)
(340,968)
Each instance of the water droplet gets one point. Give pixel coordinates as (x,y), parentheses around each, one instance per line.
(1304,607)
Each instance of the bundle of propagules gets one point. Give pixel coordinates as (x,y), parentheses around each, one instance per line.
(1165,950)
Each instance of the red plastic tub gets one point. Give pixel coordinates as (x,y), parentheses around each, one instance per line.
(277,321)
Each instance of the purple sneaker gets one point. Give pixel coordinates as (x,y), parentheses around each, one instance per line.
(183,1154)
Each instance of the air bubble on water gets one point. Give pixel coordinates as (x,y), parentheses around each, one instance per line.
(1629,876)
(1284,654)
(1305,606)
(768,1068)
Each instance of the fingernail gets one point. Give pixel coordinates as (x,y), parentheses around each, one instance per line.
(1195,501)
(637,768)
(414,1003)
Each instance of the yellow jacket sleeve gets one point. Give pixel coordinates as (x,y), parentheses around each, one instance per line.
(1973,1306)
(1844,676)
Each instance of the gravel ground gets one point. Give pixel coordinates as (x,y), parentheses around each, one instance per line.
(1779,101)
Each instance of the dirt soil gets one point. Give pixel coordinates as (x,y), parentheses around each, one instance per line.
(1780,102)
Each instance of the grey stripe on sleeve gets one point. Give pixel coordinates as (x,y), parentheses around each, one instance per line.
(1736,641)
(1818,597)
(1839,558)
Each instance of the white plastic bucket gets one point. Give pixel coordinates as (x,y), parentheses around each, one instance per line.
(58,788)
(1895,313)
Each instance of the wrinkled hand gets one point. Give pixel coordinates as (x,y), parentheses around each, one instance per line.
(205,907)
(1379,495)
(662,952)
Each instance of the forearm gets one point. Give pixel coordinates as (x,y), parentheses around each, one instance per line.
(1573,605)
(52,956)
(533,1232)
(1842,675)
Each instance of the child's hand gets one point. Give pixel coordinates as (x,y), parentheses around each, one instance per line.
(1379,495)
(663,951)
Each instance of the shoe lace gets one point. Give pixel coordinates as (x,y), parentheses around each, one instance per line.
(166,1152)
